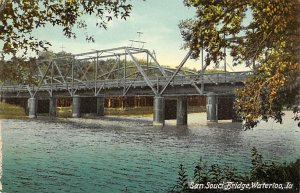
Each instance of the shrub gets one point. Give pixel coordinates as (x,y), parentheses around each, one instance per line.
(261,171)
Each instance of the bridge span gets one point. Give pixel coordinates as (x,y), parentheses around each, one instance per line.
(123,71)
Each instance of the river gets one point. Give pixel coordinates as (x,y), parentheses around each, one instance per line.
(111,154)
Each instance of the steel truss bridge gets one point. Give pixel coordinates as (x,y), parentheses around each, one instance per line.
(123,71)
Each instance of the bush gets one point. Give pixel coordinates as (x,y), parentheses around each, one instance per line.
(261,172)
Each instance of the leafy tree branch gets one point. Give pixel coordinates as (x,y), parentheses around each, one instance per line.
(261,33)
(18,18)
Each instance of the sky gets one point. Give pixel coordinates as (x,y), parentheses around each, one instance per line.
(157,20)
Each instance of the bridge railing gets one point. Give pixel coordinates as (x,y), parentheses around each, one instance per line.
(217,78)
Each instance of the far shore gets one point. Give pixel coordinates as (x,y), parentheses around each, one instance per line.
(8,111)
(114,116)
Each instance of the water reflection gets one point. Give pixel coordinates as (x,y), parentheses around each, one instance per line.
(90,155)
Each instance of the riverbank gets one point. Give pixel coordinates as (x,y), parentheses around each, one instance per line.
(66,112)
(8,111)
(144,115)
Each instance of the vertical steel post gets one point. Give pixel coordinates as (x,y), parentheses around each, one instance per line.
(147,73)
(118,60)
(52,100)
(157,84)
(96,72)
(72,63)
(52,73)
(125,66)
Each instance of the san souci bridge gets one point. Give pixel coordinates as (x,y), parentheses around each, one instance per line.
(121,72)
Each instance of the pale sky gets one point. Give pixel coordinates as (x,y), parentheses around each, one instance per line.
(157,19)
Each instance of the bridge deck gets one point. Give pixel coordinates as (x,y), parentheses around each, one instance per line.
(179,80)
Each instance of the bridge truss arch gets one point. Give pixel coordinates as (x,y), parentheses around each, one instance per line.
(121,69)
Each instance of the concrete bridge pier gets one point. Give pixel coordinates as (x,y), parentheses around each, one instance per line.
(3,100)
(76,106)
(212,107)
(32,107)
(52,106)
(159,111)
(100,105)
(181,114)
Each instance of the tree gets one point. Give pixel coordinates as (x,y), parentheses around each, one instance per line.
(262,34)
(18,18)
(18,71)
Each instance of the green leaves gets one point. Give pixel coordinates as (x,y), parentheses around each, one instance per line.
(19,18)
(18,71)
(268,37)
(182,179)
(261,172)
(274,172)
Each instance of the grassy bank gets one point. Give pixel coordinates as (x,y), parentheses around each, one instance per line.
(66,112)
(129,111)
(8,111)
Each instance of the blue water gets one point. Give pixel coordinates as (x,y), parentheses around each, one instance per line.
(112,154)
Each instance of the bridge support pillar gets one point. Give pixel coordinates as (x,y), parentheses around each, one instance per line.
(100,105)
(181,111)
(212,107)
(52,106)
(3,100)
(76,106)
(32,107)
(159,111)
